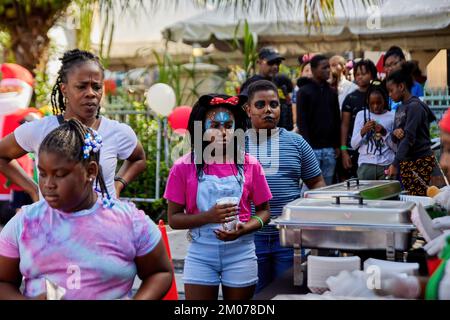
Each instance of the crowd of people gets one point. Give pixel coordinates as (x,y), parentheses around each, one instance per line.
(357,124)
(250,155)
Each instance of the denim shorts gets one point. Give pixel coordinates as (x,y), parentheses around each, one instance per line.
(212,262)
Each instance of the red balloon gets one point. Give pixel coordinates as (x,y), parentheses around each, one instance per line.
(179,118)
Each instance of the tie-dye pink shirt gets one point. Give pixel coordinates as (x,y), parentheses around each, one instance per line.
(90,253)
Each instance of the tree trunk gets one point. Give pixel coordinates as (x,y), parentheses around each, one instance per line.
(30,48)
(28,27)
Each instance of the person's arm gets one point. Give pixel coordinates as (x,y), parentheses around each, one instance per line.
(310,168)
(391,144)
(356,135)
(131,168)
(394,138)
(262,211)
(9,151)
(315,183)
(178,219)
(155,271)
(10,279)
(389,138)
(302,114)
(414,119)
(345,125)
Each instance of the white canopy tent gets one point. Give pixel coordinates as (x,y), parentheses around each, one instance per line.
(411,24)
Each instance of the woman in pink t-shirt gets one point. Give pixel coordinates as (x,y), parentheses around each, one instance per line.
(210,191)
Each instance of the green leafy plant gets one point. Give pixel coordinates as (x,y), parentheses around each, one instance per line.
(135,114)
(42,89)
(171,72)
(434,130)
(248,46)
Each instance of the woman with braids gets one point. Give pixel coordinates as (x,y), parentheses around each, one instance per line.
(209,188)
(77,94)
(411,133)
(372,134)
(61,239)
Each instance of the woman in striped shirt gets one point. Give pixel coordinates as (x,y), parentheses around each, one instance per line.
(286,159)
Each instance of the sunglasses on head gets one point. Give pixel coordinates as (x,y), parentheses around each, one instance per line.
(261,104)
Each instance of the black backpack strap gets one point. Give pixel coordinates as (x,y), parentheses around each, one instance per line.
(60,118)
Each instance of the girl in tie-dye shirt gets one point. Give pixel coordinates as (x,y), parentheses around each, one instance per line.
(76,238)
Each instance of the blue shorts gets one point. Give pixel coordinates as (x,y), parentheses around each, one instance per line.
(212,262)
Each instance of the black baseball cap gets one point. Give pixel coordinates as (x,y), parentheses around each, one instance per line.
(269,54)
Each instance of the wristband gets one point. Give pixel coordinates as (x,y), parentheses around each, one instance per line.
(344,148)
(121,180)
(260,220)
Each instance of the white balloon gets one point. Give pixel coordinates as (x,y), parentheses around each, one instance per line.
(161,99)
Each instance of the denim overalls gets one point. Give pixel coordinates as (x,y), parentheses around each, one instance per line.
(211,261)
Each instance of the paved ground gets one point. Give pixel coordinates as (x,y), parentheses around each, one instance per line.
(178,248)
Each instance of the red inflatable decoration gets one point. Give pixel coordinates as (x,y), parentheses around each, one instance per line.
(16,88)
(178,119)
(15,71)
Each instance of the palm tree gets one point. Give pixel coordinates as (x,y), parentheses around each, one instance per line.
(28,21)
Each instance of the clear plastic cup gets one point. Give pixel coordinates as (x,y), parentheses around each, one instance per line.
(230,225)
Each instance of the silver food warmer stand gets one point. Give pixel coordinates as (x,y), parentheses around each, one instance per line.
(343,220)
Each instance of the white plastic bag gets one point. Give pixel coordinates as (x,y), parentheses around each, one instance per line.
(54,292)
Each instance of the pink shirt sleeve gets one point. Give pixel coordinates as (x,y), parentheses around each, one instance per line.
(176,185)
(260,189)
(9,237)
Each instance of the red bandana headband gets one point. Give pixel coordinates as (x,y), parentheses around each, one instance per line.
(217,100)
(444,124)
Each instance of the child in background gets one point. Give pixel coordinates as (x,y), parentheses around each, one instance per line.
(372,135)
(365,72)
(218,167)
(87,244)
(411,133)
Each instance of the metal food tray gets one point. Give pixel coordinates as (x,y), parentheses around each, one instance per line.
(366,189)
(345,225)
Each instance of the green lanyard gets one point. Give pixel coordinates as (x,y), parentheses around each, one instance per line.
(432,290)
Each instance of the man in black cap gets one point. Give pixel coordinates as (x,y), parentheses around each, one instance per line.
(269,61)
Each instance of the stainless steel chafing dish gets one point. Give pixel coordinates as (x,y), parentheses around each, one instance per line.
(345,223)
(367,189)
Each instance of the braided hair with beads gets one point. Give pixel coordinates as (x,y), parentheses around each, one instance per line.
(70,59)
(69,140)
